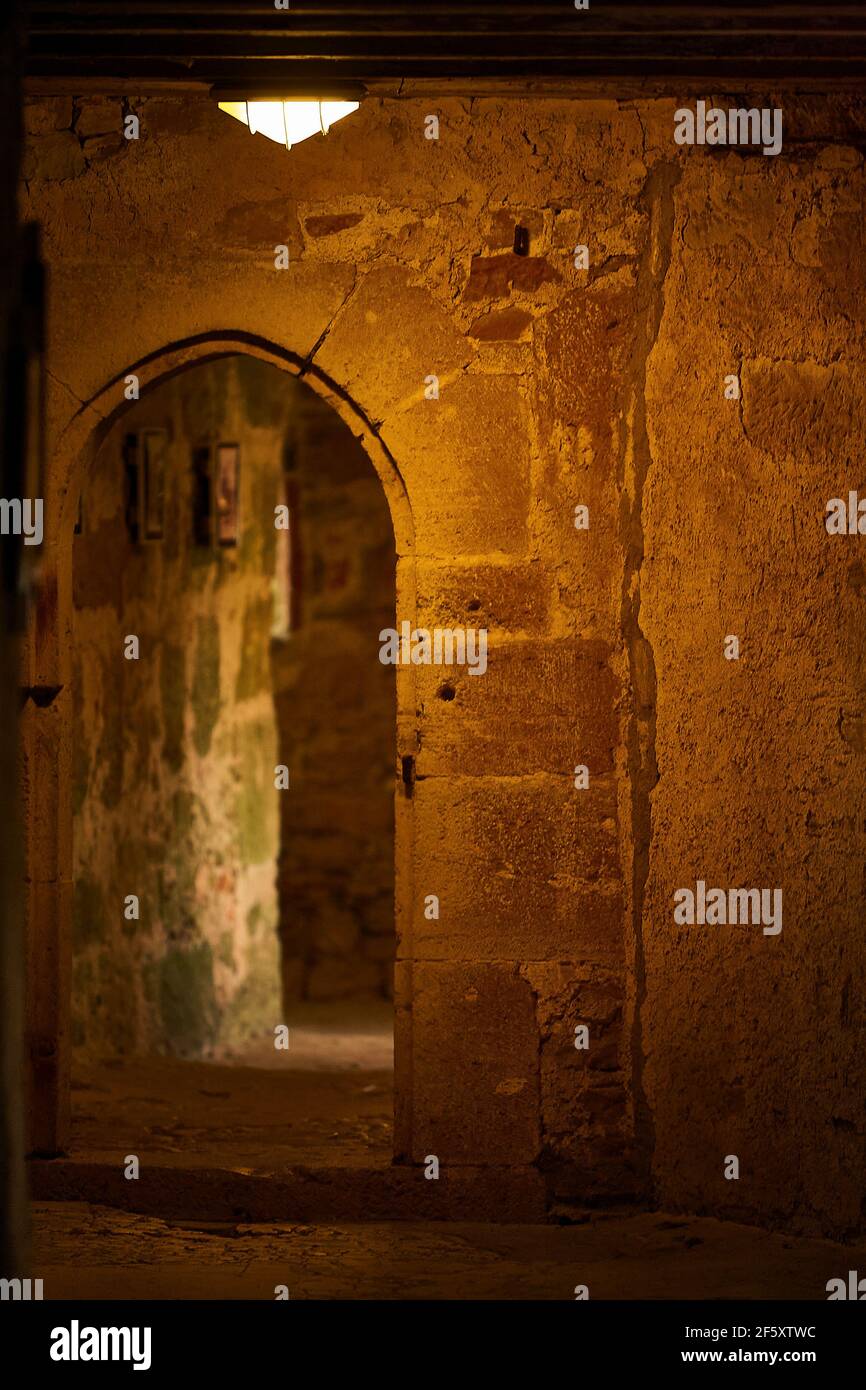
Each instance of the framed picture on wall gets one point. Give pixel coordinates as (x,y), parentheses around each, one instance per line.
(153,464)
(227,500)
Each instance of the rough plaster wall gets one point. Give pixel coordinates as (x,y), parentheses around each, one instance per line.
(336,715)
(755,1043)
(561,387)
(174,793)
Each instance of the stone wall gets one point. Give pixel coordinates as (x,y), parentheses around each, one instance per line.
(336,716)
(754,1042)
(559,387)
(173,795)
(174,754)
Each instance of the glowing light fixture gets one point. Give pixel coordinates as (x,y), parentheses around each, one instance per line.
(289,122)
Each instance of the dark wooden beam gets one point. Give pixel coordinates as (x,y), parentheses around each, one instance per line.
(215,41)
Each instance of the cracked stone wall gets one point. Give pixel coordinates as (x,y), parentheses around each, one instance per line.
(562,387)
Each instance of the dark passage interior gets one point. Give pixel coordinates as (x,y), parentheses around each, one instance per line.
(233,792)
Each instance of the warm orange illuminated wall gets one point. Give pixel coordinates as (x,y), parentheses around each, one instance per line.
(560,387)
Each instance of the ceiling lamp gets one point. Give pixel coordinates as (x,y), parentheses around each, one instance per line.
(289,122)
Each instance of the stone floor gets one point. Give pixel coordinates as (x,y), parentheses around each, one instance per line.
(269,1168)
(90,1252)
(261,1135)
(327,1101)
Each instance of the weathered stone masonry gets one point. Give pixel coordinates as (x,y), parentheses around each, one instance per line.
(173,795)
(558,387)
(336,715)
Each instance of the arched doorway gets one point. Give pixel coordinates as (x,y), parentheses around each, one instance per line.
(50,724)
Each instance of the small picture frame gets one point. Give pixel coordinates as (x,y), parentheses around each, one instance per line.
(152,473)
(227,494)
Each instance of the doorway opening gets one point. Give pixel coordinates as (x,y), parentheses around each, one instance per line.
(233,782)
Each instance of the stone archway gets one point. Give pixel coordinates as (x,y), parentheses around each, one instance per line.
(47,716)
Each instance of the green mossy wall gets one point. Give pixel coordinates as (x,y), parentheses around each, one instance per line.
(174,766)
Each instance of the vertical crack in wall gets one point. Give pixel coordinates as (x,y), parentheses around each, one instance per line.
(657,202)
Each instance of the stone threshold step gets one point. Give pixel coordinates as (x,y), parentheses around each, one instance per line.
(502,1195)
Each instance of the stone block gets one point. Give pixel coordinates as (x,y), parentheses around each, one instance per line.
(47,114)
(524,869)
(476,1023)
(512,598)
(469,484)
(495,277)
(538,707)
(99,116)
(413,338)
(500,325)
(568,994)
(260,225)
